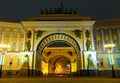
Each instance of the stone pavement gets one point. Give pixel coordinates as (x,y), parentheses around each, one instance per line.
(60,80)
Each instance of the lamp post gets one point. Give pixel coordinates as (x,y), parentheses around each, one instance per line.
(3,48)
(110,48)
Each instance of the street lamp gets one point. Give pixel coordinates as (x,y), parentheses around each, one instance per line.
(3,48)
(109,48)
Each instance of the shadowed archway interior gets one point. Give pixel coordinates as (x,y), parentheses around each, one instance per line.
(57,55)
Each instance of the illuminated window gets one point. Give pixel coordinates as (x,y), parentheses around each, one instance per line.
(18,62)
(116,42)
(13,46)
(109,65)
(99,44)
(21,46)
(98,33)
(7,34)
(118,62)
(15,34)
(22,35)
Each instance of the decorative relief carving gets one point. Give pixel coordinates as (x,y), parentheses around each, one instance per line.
(29,34)
(38,33)
(87,33)
(77,33)
(60,37)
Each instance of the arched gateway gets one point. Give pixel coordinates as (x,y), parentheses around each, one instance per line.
(58,59)
(57,42)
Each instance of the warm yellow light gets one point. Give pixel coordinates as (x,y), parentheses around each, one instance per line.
(109,45)
(2,46)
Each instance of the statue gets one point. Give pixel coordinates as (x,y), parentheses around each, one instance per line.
(29,34)
(88,43)
(51,11)
(41,11)
(26,61)
(90,61)
(87,33)
(74,11)
(28,44)
(46,11)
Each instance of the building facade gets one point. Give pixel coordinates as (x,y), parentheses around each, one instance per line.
(58,44)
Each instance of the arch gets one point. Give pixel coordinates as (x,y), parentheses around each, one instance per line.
(58,37)
(43,37)
(48,39)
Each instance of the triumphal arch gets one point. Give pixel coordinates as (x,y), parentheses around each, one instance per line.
(62,43)
(56,42)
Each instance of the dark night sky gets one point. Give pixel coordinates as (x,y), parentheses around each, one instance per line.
(18,10)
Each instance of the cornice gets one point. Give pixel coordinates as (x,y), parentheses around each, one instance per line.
(10,25)
(57,24)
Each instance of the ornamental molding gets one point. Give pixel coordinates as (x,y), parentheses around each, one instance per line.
(57,24)
(57,37)
(10,25)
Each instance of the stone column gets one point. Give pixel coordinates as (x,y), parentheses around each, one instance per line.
(118,34)
(33,55)
(2,37)
(18,41)
(110,35)
(103,40)
(25,36)
(92,39)
(10,42)
(32,40)
(84,40)
(81,58)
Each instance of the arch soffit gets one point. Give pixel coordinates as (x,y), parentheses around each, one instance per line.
(45,36)
(70,58)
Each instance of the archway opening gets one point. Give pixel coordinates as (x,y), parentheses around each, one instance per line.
(59,58)
(59,66)
(57,55)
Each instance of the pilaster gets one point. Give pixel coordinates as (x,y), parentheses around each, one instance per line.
(92,40)
(25,36)
(118,33)
(84,40)
(10,42)
(103,40)
(2,38)
(32,39)
(110,35)
(18,41)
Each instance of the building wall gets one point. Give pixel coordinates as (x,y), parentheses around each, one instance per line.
(107,32)
(16,35)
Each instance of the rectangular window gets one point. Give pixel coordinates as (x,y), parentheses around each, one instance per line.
(98,33)
(21,35)
(7,34)
(118,62)
(114,33)
(21,46)
(18,62)
(106,35)
(109,65)
(13,46)
(15,34)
